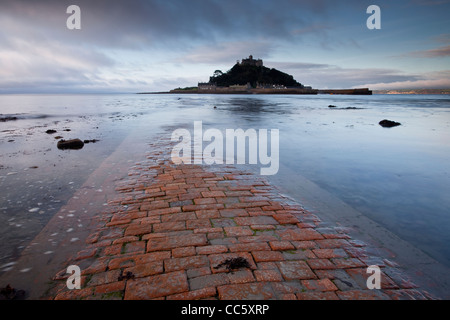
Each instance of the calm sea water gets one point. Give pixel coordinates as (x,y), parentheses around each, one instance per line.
(399,177)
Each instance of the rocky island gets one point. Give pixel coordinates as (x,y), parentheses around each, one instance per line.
(250,76)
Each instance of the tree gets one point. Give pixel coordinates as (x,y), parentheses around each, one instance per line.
(217,73)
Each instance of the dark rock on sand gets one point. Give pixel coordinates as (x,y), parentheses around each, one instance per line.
(9,293)
(50,131)
(4,119)
(91,141)
(388,123)
(347,108)
(75,144)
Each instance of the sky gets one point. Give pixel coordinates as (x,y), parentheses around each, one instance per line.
(158,45)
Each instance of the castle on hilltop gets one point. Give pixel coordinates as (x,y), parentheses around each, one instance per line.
(250,76)
(251,62)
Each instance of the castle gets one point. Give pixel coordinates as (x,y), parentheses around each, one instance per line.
(251,62)
(258,80)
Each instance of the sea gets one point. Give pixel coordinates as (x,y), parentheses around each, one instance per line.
(398,177)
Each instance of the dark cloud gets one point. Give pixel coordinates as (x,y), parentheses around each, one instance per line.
(142,23)
(119,40)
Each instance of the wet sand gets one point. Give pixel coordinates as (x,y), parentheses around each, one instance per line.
(148,229)
(91,226)
(64,235)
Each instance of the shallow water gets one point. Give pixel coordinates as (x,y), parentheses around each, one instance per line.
(399,177)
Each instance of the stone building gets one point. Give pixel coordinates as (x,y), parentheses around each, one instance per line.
(207,86)
(251,62)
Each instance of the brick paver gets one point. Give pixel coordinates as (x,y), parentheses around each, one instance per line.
(171,229)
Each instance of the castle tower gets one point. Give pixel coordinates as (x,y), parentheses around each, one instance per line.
(252,62)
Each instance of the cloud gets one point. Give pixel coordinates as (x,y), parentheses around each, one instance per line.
(38,46)
(442,38)
(327,76)
(221,52)
(133,43)
(303,66)
(419,84)
(429,80)
(25,64)
(440,52)
(143,23)
(432,53)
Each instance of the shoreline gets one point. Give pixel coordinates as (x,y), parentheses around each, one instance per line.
(288,91)
(194,232)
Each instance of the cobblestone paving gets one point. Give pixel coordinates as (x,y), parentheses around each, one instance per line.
(171,229)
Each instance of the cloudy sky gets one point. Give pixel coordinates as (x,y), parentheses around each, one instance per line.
(156,45)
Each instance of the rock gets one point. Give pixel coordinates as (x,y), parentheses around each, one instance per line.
(10,293)
(50,131)
(4,119)
(347,108)
(389,124)
(75,144)
(91,141)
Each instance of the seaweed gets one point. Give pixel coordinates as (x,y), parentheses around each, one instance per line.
(127,276)
(234,264)
(9,293)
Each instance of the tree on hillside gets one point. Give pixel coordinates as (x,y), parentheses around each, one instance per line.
(217,73)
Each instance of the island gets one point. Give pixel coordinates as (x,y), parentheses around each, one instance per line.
(250,76)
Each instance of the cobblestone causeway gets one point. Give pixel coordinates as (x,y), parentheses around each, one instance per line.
(170,228)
